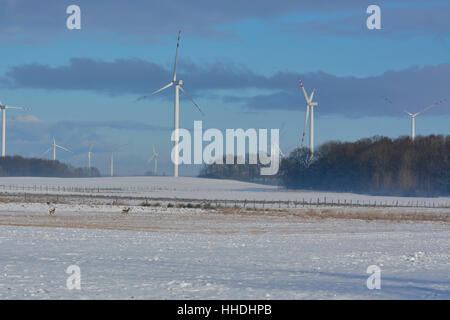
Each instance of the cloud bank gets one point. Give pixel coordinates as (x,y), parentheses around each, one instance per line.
(148,20)
(412,88)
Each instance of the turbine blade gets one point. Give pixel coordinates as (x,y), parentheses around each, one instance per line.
(65,149)
(155,92)
(430,106)
(150,159)
(306,123)
(312,95)
(19,108)
(176,57)
(189,97)
(403,110)
(303,89)
(47,151)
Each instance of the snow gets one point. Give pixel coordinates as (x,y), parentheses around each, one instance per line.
(160,252)
(193,188)
(264,258)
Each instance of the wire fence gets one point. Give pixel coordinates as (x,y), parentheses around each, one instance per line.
(87,195)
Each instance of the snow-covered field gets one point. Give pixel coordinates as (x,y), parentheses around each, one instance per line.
(160,252)
(193,188)
(326,260)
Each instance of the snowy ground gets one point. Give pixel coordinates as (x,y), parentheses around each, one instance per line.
(194,188)
(193,254)
(160,252)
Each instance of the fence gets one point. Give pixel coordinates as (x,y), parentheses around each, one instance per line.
(116,196)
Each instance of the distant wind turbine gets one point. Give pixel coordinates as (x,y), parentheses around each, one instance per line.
(111,168)
(414,115)
(277,149)
(177,84)
(89,157)
(3,107)
(154,158)
(309,114)
(54,146)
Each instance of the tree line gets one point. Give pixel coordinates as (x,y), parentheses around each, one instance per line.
(17,166)
(377,165)
(235,171)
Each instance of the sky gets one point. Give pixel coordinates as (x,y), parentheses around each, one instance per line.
(239,61)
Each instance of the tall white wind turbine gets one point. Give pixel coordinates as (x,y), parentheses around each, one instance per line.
(309,114)
(3,107)
(177,85)
(414,115)
(154,158)
(54,147)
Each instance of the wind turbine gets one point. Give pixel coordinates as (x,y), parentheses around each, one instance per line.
(111,167)
(414,115)
(154,157)
(54,146)
(309,114)
(274,146)
(89,157)
(3,107)
(177,85)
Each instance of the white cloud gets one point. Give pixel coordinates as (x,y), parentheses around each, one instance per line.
(27,118)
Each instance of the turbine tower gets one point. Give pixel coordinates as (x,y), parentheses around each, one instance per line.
(414,115)
(116,149)
(309,114)
(54,146)
(154,157)
(89,157)
(3,107)
(177,85)
(111,168)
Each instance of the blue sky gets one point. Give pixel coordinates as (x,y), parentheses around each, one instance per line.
(239,61)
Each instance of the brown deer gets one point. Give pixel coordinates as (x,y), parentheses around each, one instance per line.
(52,211)
(125,211)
